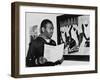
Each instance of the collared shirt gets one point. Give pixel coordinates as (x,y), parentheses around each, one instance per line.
(47,40)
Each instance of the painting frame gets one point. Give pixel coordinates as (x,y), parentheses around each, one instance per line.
(15,41)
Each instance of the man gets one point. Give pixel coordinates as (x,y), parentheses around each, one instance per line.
(36,47)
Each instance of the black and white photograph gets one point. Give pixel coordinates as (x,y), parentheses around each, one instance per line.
(62,33)
(53,39)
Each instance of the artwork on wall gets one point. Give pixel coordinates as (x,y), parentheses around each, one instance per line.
(74,32)
(53,39)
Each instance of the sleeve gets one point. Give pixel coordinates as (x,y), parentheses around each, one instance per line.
(30,58)
(52,42)
(34,56)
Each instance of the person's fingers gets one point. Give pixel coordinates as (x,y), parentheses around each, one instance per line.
(42,60)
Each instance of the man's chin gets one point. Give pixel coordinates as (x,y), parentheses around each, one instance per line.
(49,37)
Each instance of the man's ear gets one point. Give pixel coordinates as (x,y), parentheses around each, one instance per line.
(43,29)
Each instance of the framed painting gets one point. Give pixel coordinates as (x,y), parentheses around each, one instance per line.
(53,39)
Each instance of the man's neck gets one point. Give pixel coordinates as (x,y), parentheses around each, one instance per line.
(44,37)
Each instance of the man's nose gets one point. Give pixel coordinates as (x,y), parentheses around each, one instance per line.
(52,30)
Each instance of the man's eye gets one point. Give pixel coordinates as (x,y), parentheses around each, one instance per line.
(62,32)
(51,29)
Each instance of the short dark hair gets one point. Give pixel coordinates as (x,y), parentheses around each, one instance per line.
(43,24)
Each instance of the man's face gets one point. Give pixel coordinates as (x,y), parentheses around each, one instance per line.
(48,31)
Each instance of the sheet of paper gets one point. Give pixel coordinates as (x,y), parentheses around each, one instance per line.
(53,53)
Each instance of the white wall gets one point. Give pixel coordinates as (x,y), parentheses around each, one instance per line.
(5,40)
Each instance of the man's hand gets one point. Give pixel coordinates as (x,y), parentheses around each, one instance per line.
(42,60)
(61,60)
